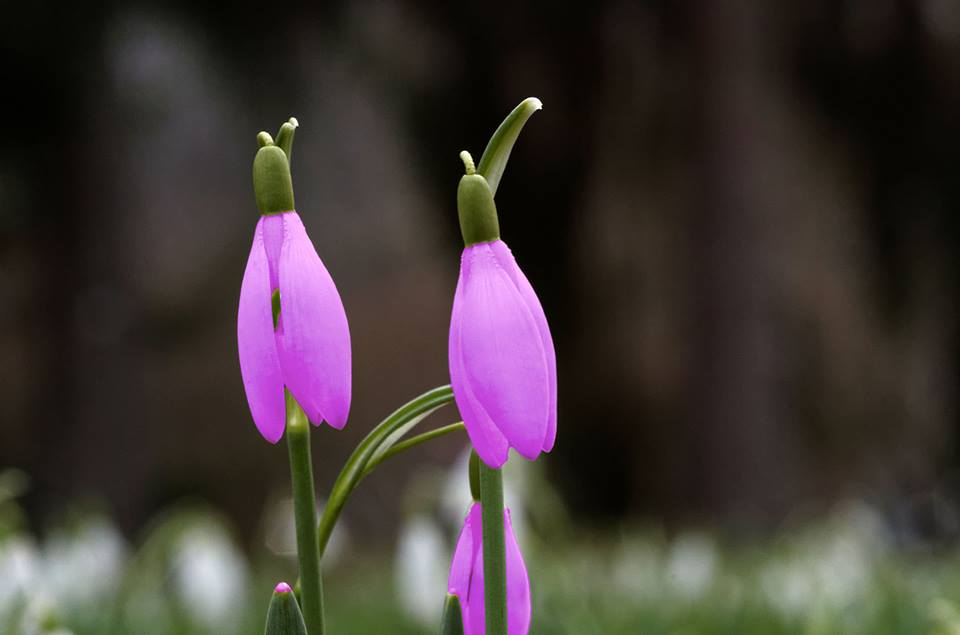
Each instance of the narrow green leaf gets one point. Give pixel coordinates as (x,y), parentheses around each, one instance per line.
(353,470)
(283,616)
(495,157)
(452,621)
(395,437)
(406,444)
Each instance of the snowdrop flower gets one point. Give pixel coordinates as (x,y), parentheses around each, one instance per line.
(503,367)
(291,325)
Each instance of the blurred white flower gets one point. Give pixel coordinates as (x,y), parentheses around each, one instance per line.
(210,576)
(789,586)
(81,566)
(422,562)
(19,564)
(831,567)
(691,565)
(280,532)
(455,499)
(637,569)
(40,614)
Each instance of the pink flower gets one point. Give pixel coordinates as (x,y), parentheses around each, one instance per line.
(309,350)
(503,367)
(466,577)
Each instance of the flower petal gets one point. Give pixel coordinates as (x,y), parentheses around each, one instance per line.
(509,263)
(313,337)
(518,583)
(474,623)
(462,568)
(259,363)
(273,244)
(466,577)
(486,438)
(506,366)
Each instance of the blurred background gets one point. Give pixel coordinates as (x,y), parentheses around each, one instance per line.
(741,218)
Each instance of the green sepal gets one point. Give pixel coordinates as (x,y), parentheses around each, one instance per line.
(495,156)
(283,616)
(478,213)
(452,621)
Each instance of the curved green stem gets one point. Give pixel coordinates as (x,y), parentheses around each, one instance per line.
(406,444)
(373,448)
(494,550)
(495,156)
(305,515)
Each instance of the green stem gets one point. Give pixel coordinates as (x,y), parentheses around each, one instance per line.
(494,549)
(305,516)
(406,444)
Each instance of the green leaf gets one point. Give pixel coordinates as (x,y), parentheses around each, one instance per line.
(283,616)
(452,621)
(383,436)
(406,444)
(495,157)
(396,435)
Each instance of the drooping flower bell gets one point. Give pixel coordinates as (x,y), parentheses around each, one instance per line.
(291,326)
(466,577)
(503,366)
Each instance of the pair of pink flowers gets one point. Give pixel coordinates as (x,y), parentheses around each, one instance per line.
(503,367)
(292,333)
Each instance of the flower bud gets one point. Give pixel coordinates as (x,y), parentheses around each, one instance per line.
(283,616)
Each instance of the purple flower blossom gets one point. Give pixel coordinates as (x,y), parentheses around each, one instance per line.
(503,367)
(309,350)
(466,577)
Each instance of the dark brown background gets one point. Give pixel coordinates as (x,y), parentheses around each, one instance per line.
(741,218)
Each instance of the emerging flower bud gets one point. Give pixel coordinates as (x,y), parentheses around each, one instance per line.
(283,616)
(466,577)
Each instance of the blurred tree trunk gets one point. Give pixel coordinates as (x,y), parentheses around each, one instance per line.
(742,457)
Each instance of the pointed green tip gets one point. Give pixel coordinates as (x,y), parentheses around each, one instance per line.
(264,139)
(283,616)
(452,621)
(531,104)
(497,153)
